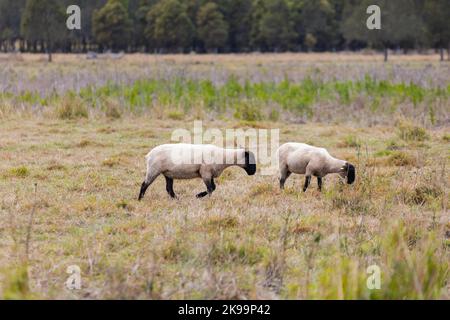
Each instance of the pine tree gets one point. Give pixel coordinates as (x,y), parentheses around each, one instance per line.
(112,25)
(400,22)
(10,22)
(276,31)
(81,40)
(169,26)
(140,21)
(316,20)
(437,18)
(238,15)
(211,27)
(44,21)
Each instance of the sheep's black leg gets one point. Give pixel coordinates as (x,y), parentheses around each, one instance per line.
(284,174)
(144,187)
(210,186)
(283,179)
(202,194)
(151,176)
(319,183)
(169,187)
(307,181)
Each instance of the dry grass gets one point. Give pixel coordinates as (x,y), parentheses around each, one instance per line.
(249,240)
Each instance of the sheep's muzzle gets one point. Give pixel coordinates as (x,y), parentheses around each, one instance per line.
(250,163)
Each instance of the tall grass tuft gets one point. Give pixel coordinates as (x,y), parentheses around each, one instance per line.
(410,132)
(71,107)
(247,100)
(418,274)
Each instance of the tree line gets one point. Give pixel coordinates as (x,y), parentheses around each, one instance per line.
(167,26)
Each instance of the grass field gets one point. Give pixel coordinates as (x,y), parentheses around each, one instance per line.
(73,136)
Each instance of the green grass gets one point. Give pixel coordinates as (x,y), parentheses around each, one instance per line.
(19,172)
(247,101)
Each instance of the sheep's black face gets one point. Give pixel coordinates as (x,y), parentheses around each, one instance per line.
(250,163)
(351,173)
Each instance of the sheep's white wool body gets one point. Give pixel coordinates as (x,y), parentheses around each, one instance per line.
(302,158)
(188,161)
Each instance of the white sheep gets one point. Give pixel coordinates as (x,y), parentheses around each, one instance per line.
(304,159)
(188,161)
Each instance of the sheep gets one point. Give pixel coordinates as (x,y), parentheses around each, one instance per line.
(174,161)
(304,159)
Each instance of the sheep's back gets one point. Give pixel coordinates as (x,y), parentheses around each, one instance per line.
(168,156)
(298,156)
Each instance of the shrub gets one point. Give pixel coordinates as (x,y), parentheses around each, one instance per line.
(446,137)
(383,153)
(351,203)
(71,107)
(261,189)
(394,145)
(340,279)
(274,115)
(412,274)
(123,204)
(175,115)
(421,194)
(420,273)
(349,141)
(247,111)
(410,132)
(175,250)
(18,172)
(250,124)
(401,159)
(16,283)
(111,162)
(226,222)
(229,252)
(112,109)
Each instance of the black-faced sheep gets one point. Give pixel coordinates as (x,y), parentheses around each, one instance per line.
(188,161)
(304,159)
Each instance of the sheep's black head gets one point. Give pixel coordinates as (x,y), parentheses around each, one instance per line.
(350,172)
(250,163)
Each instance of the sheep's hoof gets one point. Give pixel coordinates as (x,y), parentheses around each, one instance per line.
(201,194)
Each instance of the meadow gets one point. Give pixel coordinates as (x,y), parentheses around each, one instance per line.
(74,133)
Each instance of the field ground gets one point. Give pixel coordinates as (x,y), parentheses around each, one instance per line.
(249,240)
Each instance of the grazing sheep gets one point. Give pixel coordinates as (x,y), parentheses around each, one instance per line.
(311,161)
(188,161)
